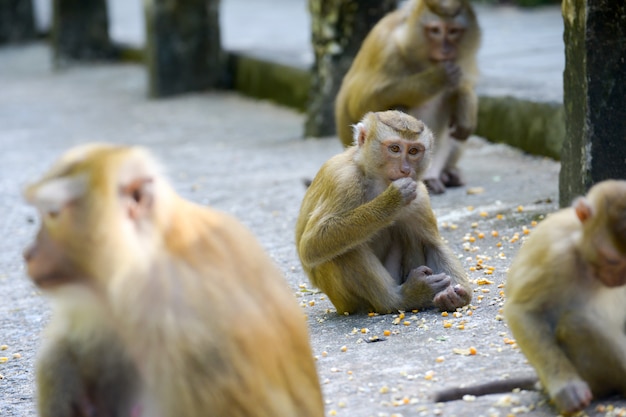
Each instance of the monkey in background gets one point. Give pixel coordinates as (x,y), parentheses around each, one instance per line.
(183,294)
(565,303)
(366,234)
(420,59)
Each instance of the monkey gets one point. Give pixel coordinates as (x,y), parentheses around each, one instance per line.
(565,294)
(421,59)
(366,234)
(204,315)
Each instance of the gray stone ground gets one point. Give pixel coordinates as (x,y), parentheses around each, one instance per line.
(248,158)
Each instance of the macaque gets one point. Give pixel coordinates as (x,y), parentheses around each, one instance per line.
(366,234)
(566,298)
(184,294)
(420,59)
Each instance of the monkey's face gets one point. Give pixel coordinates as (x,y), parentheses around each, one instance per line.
(443,39)
(609,267)
(402,158)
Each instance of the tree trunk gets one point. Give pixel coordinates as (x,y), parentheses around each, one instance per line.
(17,21)
(338,29)
(183,51)
(594,89)
(80,31)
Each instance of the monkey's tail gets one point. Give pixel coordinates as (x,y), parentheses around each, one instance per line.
(492,387)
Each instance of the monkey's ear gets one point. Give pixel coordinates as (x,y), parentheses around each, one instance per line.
(360,132)
(138,197)
(583,209)
(52,195)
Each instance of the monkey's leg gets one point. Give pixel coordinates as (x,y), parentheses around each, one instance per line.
(363,282)
(451,175)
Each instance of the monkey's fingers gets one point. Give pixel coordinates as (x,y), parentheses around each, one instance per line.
(573,397)
(450,298)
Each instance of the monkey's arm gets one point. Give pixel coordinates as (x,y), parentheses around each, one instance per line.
(328,235)
(535,335)
(59,386)
(465,112)
(413,90)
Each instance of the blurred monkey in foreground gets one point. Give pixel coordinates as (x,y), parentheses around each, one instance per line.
(366,234)
(420,59)
(183,292)
(565,305)
(566,298)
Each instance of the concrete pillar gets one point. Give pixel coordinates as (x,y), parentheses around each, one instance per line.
(183,48)
(594,95)
(17,21)
(338,28)
(80,31)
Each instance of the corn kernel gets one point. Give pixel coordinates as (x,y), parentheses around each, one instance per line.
(344,348)
(386,333)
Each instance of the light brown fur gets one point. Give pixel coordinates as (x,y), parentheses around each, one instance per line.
(399,67)
(566,292)
(366,233)
(199,307)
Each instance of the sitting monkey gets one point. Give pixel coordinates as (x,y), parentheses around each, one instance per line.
(366,234)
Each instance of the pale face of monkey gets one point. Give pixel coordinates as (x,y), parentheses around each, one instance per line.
(443,38)
(402,158)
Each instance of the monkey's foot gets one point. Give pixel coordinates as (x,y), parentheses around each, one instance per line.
(452,178)
(451,298)
(434,185)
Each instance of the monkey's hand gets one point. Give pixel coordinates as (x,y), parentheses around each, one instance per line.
(407,188)
(422,281)
(461,132)
(453,74)
(451,297)
(572,397)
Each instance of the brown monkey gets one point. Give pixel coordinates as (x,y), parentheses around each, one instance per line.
(566,294)
(366,234)
(198,305)
(420,59)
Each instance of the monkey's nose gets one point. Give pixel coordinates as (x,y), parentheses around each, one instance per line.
(29,252)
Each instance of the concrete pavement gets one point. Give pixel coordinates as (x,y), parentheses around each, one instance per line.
(247,157)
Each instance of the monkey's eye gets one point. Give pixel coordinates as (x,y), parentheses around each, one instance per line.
(394,148)
(433,31)
(414,151)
